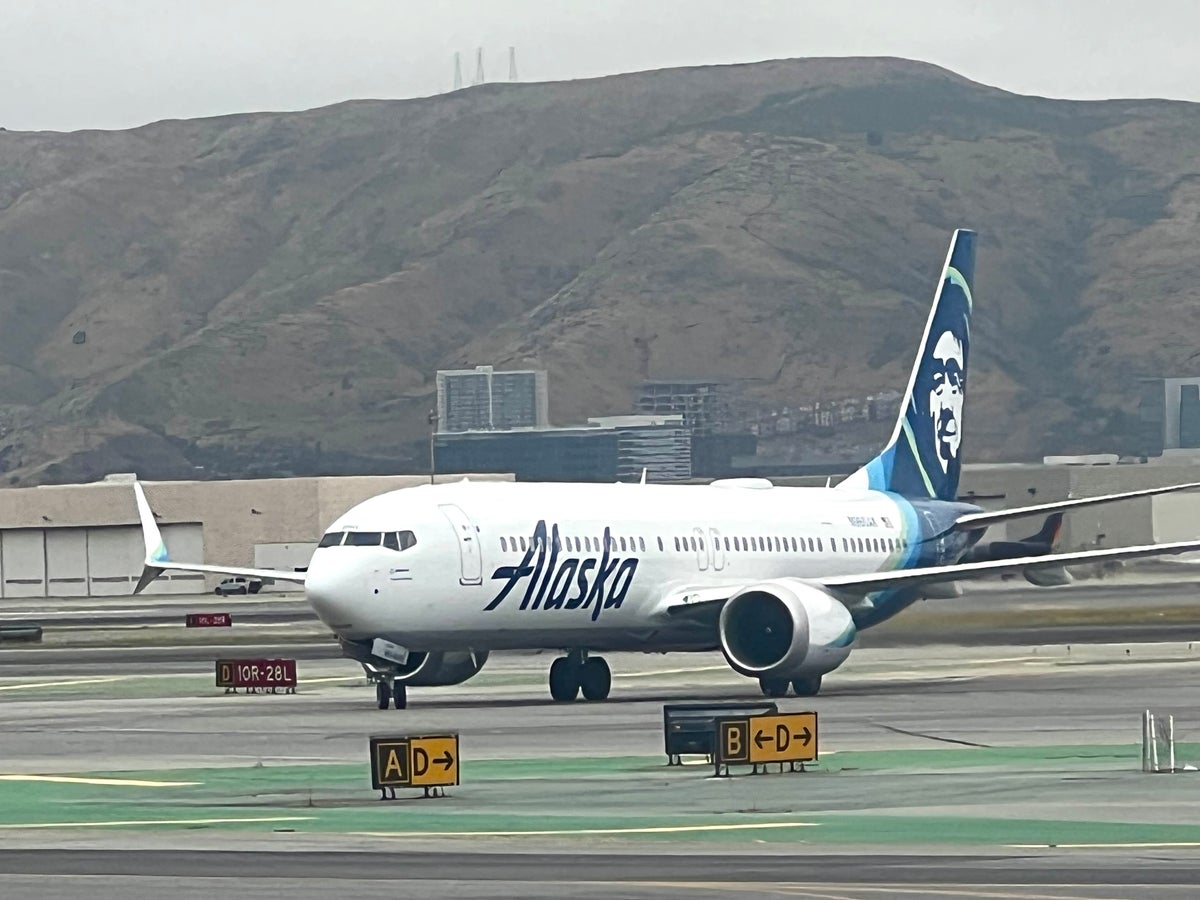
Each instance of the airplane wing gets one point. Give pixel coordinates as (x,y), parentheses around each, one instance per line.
(979,520)
(878,581)
(157,561)
(705,602)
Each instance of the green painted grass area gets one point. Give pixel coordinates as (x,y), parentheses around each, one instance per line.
(627,797)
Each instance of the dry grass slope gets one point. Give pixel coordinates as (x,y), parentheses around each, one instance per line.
(273,292)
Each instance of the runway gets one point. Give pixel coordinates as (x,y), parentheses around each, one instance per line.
(950,769)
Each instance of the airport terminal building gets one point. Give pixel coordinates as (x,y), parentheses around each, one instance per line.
(83,540)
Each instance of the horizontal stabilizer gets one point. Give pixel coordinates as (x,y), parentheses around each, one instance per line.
(976,521)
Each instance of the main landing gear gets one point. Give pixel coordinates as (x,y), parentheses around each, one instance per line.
(395,692)
(576,672)
(778,687)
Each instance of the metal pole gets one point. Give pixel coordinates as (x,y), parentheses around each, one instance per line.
(433,421)
(1153,745)
(1146,740)
(1170,743)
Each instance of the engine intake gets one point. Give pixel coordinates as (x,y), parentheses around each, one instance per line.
(436,668)
(785,628)
(440,668)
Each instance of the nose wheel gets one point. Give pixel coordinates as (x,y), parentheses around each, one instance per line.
(576,672)
(395,693)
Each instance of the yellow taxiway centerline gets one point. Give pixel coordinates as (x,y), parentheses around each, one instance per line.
(115,823)
(115,782)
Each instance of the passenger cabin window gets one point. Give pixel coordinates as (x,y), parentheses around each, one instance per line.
(333,539)
(504,545)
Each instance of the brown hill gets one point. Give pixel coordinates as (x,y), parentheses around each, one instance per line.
(273,292)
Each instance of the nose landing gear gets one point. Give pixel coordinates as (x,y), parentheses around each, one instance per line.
(388,690)
(576,672)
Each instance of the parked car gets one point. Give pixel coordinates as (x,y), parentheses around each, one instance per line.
(238,585)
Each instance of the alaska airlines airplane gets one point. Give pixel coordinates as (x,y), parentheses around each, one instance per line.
(420,584)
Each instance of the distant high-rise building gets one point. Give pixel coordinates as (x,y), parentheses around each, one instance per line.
(1170,414)
(706,406)
(611,448)
(660,446)
(482,399)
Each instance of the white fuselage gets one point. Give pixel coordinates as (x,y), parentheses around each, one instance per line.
(464,565)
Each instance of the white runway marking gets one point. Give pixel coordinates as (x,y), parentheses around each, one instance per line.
(568,832)
(1147,845)
(116,782)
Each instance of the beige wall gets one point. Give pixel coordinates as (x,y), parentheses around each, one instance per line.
(234,515)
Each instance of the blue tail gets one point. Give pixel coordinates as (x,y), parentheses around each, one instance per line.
(924,457)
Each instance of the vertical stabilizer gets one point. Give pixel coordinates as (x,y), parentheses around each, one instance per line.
(923,457)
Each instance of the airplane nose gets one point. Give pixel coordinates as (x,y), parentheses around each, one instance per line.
(328,594)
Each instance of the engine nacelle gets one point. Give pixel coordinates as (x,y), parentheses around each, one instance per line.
(786,628)
(439,668)
(1047,576)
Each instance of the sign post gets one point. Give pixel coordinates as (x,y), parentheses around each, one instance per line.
(428,761)
(761,740)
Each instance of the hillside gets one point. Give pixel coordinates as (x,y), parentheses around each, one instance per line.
(273,292)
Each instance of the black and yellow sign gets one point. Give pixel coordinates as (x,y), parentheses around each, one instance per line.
(424,761)
(756,740)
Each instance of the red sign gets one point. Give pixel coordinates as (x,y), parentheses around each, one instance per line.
(209,620)
(253,674)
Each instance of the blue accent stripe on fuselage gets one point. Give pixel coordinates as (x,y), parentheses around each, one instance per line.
(928,541)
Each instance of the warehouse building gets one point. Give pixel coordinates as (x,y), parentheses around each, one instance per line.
(83,540)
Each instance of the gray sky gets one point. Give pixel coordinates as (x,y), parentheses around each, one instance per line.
(69,64)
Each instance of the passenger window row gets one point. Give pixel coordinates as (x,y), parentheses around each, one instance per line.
(577,545)
(690,543)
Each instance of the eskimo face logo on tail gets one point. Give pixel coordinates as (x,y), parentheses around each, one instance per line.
(948,376)
(569,583)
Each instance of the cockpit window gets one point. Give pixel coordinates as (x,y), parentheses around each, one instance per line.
(363,538)
(333,539)
(399,540)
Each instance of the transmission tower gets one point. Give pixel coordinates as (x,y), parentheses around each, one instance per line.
(512,63)
(457,71)
(478,66)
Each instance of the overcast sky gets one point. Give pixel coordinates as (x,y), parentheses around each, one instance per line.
(69,64)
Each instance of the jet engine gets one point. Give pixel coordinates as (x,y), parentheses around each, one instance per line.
(785,629)
(435,668)
(438,668)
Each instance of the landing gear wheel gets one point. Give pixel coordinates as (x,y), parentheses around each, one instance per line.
(807,687)
(595,678)
(400,695)
(774,687)
(382,694)
(564,679)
